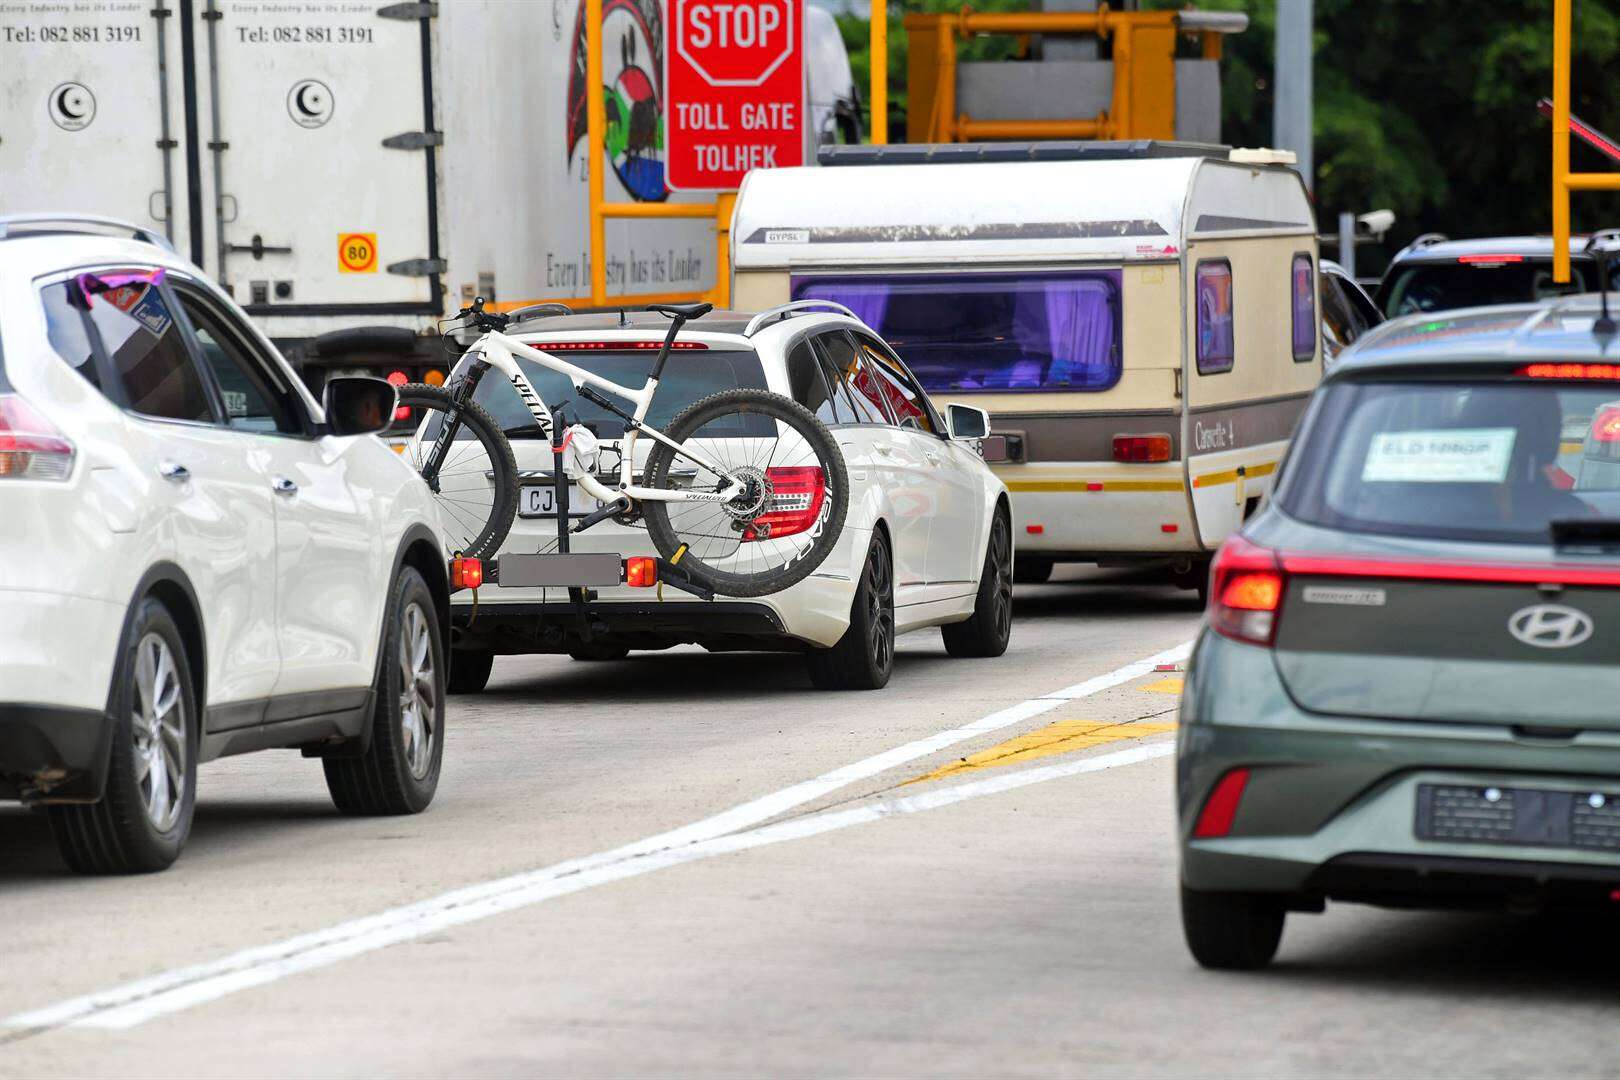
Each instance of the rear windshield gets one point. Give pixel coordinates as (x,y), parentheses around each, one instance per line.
(1484,461)
(996,332)
(1443,286)
(687,377)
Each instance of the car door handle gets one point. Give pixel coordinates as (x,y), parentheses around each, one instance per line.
(283,486)
(173,470)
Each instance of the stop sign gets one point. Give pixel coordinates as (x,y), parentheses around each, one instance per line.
(734,90)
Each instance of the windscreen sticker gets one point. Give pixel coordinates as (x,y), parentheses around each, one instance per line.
(1458,456)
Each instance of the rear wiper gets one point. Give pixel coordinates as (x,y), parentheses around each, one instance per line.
(1601,534)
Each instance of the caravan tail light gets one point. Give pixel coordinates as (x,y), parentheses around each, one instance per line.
(641,572)
(31,447)
(1246,590)
(797,496)
(1141,449)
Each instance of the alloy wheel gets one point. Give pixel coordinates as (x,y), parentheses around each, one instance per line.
(418,690)
(880,609)
(158,726)
(1001,567)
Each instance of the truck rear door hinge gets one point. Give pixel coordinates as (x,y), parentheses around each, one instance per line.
(414,140)
(408,11)
(419,267)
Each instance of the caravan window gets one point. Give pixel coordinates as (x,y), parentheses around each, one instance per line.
(1017,332)
(1304,308)
(1213,294)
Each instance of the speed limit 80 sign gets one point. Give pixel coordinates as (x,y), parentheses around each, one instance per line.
(734,90)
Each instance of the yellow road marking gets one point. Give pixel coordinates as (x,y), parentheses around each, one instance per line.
(1062,737)
(1165,686)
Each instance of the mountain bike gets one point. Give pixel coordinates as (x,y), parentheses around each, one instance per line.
(746,492)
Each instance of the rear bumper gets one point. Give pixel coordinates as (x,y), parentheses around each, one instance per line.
(1330,808)
(58,649)
(516,628)
(50,753)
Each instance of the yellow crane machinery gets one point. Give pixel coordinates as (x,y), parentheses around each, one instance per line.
(1563,181)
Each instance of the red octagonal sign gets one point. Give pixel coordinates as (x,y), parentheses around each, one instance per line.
(734,90)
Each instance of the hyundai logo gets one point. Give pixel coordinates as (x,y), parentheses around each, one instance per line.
(1551,626)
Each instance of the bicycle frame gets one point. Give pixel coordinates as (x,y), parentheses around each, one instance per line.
(498,351)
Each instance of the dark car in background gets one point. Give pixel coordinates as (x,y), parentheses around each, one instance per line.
(1407,689)
(1434,273)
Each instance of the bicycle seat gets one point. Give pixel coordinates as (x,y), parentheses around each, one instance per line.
(682,311)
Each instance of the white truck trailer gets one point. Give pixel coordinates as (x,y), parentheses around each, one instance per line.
(352,170)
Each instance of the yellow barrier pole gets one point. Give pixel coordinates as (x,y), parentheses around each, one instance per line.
(595,143)
(880,72)
(724,205)
(1560,137)
(658,210)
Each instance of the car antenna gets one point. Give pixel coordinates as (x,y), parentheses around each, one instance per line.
(624,320)
(1604,328)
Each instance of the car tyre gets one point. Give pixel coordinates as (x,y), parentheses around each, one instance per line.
(1028,571)
(469,671)
(1232,931)
(863,659)
(141,823)
(399,772)
(986,632)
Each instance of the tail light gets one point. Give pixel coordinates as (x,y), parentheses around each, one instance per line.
(641,572)
(31,447)
(797,495)
(1221,809)
(1246,590)
(466,573)
(397,379)
(1606,428)
(1141,449)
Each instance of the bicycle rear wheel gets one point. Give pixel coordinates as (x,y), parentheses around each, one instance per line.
(475,486)
(790,514)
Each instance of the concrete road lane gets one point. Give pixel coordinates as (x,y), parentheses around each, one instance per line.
(939,914)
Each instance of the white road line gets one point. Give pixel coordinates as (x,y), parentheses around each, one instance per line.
(172,991)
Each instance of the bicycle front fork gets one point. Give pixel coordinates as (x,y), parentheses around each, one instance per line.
(461,391)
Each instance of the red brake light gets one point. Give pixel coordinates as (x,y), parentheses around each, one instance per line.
(1221,809)
(797,496)
(31,447)
(399,378)
(1606,428)
(1609,372)
(1246,591)
(614,346)
(1141,448)
(641,572)
(466,573)
(1490,260)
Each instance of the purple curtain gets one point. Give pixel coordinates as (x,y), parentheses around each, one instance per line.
(1304,309)
(867,301)
(1066,329)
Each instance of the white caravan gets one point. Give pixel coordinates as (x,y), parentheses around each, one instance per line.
(1138,318)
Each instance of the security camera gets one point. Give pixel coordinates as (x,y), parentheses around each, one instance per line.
(1375,222)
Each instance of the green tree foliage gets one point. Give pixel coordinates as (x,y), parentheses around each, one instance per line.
(1427,107)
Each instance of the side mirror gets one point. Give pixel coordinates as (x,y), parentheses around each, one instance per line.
(966,422)
(356,405)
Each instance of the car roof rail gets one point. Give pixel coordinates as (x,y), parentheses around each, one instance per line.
(539,311)
(1428,239)
(784,311)
(82,224)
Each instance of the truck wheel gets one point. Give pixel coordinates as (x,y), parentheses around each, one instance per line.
(986,632)
(1232,931)
(863,659)
(399,772)
(1031,571)
(144,816)
(469,671)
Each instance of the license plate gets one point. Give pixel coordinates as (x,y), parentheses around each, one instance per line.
(1466,814)
(540,500)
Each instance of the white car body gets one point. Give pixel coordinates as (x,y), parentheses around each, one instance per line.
(933,495)
(273,552)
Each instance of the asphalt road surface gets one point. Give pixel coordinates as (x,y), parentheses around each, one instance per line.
(695,864)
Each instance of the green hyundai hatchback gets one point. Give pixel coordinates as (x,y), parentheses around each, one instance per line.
(1407,690)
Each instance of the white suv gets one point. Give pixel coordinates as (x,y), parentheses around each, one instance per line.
(196,559)
(928,539)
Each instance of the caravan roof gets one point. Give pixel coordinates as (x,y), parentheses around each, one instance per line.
(1117,209)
